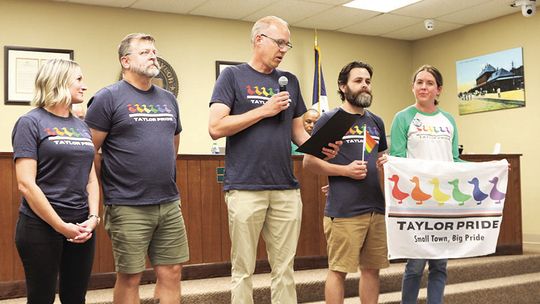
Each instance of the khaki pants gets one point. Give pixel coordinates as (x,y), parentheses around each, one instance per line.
(277,213)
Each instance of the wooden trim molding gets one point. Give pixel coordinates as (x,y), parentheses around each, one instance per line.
(205,216)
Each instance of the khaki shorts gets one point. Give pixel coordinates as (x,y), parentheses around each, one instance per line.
(356,241)
(154,229)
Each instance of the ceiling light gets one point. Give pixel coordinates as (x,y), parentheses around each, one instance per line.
(383,6)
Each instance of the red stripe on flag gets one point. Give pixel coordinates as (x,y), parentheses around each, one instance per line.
(370,142)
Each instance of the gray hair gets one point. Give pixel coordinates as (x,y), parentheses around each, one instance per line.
(315,111)
(264,23)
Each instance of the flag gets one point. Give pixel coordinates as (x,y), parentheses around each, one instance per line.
(369,141)
(320,100)
(439,210)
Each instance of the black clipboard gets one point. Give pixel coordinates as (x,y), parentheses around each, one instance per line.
(332,131)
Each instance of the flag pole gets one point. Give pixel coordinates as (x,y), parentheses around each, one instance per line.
(364,144)
(318,72)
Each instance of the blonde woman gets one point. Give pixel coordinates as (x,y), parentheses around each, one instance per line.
(53,154)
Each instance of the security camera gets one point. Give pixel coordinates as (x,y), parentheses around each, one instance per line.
(429,24)
(528,7)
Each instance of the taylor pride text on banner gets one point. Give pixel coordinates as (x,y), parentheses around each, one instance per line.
(440,209)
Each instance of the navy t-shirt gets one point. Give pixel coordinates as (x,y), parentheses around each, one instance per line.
(139,160)
(348,197)
(63,149)
(258,157)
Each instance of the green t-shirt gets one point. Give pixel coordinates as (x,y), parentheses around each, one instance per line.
(430,136)
(293,149)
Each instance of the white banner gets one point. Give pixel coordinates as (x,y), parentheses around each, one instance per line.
(440,209)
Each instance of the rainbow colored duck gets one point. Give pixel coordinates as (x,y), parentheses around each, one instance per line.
(438,195)
(396,193)
(495,194)
(457,195)
(417,194)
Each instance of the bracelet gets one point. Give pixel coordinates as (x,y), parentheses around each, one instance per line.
(96,216)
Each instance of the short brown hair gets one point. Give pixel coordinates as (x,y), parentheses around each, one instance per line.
(343,76)
(433,71)
(125,44)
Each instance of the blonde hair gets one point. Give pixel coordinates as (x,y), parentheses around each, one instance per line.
(53,81)
(264,23)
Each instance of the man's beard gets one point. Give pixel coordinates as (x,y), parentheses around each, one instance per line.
(148,71)
(362,99)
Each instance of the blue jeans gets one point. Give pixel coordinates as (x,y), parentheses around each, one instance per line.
(413,277)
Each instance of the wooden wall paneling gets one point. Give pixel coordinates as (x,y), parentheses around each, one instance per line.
(16,197)
(98,235)
(193,217)
(96,266)
(103,257)
(308,244)
(211,212)
(196,177)
(181,182)
(515,194)
(104,260)
(7,221)
(225,238)
(510,236)
(323,181)
(261,249)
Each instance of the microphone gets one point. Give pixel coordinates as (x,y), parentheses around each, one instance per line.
(283,81)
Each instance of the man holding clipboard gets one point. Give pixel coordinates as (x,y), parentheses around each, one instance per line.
(354,214)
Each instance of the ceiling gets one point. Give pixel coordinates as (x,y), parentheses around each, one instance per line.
(406,23)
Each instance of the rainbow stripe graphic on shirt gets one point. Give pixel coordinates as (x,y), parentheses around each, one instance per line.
(68,136)
(355,135)
(149,113)
(429,129)
(258,94)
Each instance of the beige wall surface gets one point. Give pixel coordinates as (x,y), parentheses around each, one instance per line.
(515,129)
(191,45)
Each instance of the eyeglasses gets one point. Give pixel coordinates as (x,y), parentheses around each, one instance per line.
(145,52)
(280,43)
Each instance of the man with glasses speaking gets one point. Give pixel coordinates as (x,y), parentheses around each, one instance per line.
(259,109)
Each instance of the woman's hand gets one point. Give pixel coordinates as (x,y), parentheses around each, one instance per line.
(381,161)
(76,233)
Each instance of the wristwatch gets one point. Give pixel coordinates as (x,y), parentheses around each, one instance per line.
(96,216)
